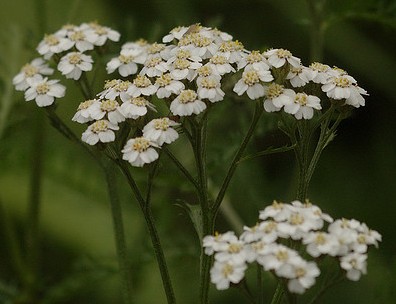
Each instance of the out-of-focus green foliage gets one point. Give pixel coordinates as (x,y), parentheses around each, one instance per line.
(355,177)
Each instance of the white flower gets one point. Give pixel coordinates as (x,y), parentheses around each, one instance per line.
(319,72)
(154,66)
(183,68)
(277,211)
(44,91)
(235,50)
(301,105)
(250,83)
(83,114)
(301,275)
(109,107)
(102,33)
(355,98)
(210,88)
(135,107)
(224,273)
(99,131)
(276,97)
(218,242)
(116,88)
(176,33)
(355,264)
(160,50)
(74,63)
(139,151)
(53,44)
(166,86)
(299,76)
(254,60)
(339,87)
(82,39)
(160,131)
(234,251)
(35,67)
(221,64)
(278,256)
(319,243)
(126,62)
(141,85)
(198,44)
(278,57)
(187,103)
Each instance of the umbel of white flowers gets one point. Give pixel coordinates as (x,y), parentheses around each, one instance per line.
(347,241)
(187,71)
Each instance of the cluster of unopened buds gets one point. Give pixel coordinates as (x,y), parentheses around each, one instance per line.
(345,240)
(188,71)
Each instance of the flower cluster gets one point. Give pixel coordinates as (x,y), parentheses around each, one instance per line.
(67,49)
(345,240)
(188,71)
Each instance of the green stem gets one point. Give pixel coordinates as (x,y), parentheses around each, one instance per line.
(118,226)
(317,28)
(256,116)
(260,291)
(32,229)
(278,295)
(182,169)
(155,240)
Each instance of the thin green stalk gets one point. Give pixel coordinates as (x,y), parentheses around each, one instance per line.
(256,116)
(278,295)
(260,289)
(317,28)
(155,240)
(180,166)
(34,207)
(119,235)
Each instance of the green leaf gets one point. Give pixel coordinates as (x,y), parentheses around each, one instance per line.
(195,214)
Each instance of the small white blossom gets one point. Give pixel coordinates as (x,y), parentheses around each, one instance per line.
(36,67)
(254,60)
(319,72)
(299,76)
(224,273)
(355,265)
(154,66)
(53,44)
(166,86)
(251,83)
(160,131)
(210,88)
(139,151)
(220,63)
(218,242)
(176,33)
(99,131)
(102,33)
(44,91)
(141,85)
(187,103)
(276,96)
(74,63)
(302,105)
(319,243)
(126,62)
(278,57)
(116,88)
(82,39)
(83,113)
(109,108)
(135,107)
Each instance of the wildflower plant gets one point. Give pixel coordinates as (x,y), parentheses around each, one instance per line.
(159,92)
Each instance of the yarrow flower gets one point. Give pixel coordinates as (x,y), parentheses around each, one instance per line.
(139,151)
(74,63)
(187,103)
(43,91)
(345,240)
(36,67)
(99,131)
(160,131)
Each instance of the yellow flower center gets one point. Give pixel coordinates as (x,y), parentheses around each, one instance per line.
(42,88)
(361,239)
(161,124)
(86,104)
(99,126)
(75,58)
(204,71)
(181,64)
(218,59)
(274,90)
(140,144)
(300,272)
(183,54)
(153,62)
(111,83)
(164,80)
(282,53)
(320,239)
(187,96)
(342,82)
(296,219)
(254,56)
(77,36)
(234,248)
(156,48)
(208,83)
(29,70)
(122,86)
(301,99)
(141,81)
(51,40)
(320,67)
(125,59)
(269,227)
(282,255)
(227,270)
(109,105)
(251,77)
(139,101)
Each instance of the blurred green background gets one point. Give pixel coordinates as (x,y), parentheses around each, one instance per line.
(355,177)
